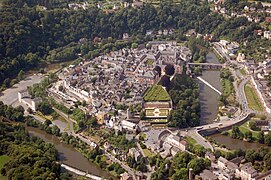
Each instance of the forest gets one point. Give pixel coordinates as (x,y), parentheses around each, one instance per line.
(30,36)
(29,156)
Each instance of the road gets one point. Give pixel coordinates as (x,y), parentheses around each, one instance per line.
(240,96)
(124,166)
(150,169)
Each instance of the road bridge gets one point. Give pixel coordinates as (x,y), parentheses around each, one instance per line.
(208,84)
(206,65)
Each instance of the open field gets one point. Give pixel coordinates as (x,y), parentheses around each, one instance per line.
(148,153)
(156,93)
(3,160)
(252,98)
(190,140)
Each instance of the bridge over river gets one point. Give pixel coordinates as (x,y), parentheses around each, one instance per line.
(205,65)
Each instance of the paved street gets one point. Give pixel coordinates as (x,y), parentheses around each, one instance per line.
(124,166)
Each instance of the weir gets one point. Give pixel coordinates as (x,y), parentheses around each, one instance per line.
(80,173)
(208,84)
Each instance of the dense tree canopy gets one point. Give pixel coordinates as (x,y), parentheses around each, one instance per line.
(30,35)
(184,94)
(30,157)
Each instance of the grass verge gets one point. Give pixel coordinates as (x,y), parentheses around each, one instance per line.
(252,98)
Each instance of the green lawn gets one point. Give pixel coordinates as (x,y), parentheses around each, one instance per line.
(149,62)
(148,153)
(190,140)
(149,112)
(3,160)
(253,99)
(156,93)
(244,130)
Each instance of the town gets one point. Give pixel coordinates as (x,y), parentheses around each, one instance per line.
(186,95)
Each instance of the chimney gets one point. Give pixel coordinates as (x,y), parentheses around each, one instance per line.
(190,175)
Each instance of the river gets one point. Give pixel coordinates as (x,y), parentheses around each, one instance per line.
(231,143)
(68,155)
(208,97)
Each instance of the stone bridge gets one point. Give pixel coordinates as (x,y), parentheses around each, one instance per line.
(205,65)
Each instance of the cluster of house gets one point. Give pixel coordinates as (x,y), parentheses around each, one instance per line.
(259,71)
(76,6)
(119,124)
(265,125)
(120,77)
(249,12)
(114,6)
(223,169)
(229,48)
(118,4)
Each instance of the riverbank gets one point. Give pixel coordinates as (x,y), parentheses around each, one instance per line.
(67,153)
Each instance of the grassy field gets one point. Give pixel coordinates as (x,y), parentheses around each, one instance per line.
(3,160)
(149,62)
(253,99)
(190,140)
(148,153)
(156,93)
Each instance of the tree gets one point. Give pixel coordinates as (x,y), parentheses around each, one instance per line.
(236,133)
(21,75)
(169,69)
(248,136)
(84,103)
(61,88)
(142,114)
(261,137)
(164,81)
(253,126)
(134,45)
(158,69)
(250,155)
(47,122)
(267,161)
(45,108)
(198,164)
(267,139)
(199,150)
(6,83)
(29,110)
(180,174)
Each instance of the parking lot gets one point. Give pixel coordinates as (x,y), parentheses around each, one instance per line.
(10,95)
